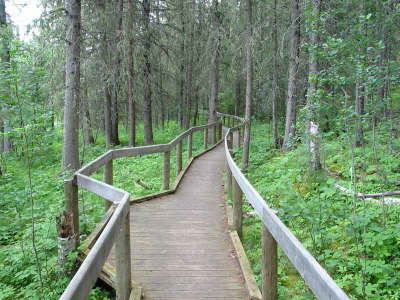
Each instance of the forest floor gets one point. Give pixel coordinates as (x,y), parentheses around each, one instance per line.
(356,240)
(28,250)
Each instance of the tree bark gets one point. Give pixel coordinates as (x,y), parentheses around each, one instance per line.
(87,124)
(359,105)
(237,92)
(275,116)
(72,86)
(249,83)
(147,112)
(313,128)
(5,140)
(214,76)
(131,74)
(291,100)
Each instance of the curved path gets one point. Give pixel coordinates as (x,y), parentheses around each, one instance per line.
(180,243)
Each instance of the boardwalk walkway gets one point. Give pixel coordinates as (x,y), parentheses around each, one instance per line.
(180,243)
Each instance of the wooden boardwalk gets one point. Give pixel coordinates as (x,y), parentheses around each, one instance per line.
(180,243)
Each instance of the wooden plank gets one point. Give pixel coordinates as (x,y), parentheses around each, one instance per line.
(179,138)
(99,188)
(315,276)
(269,266)
(237,207)
(84,279)
(248,274)
(151,196)
(143,150)
(166,170)
(136,293)
(123,260)
(108,178)
(178,158)
(94,165)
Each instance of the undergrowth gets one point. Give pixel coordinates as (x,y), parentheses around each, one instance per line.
(355,240)
(19,275)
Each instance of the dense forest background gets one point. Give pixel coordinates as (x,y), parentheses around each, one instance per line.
(317,82)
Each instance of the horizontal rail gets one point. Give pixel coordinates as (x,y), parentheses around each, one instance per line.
(143,150)
(99,188)
(316,277)
(94,165)
(81,284)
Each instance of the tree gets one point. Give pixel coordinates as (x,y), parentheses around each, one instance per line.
(72,85)
(249,83)
(147,109)
(129,31)
(293,81)
(214,74)
(313,127)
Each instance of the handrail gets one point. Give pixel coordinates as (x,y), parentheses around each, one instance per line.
(316,277)
(116,230)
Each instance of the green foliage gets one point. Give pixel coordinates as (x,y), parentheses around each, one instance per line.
(356,241)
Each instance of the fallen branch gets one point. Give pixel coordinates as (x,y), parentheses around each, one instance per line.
(142,184)
(388,200)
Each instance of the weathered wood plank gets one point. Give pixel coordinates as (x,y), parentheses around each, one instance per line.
(99,188)
(248,275)
(123,260)
(94,165)
(143,150)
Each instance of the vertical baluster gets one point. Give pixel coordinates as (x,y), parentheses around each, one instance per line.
(166,170)
(190,146)
(269,266)
(205,138)
(123,259)
(237,206)
(178,158)
(108,178)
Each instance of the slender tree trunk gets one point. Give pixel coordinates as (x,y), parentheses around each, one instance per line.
(5,140)
(107,117)
(87,124)
(72,85)
(359,139)
(290,124)
(313,127)
(131,74)
(116,74)
(249,83)
(181,76)
(214,76)
(237,92)
(275,116)
(147,112)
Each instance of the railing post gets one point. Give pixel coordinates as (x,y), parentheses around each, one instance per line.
(166,170)
(237,206)
(239,137)
(123,260)
(214,128)
(205,138)
(72,205)
(190,146)
(230,141)
(108,178)
(228,170)
(269,266)
(220,130)
(179,157)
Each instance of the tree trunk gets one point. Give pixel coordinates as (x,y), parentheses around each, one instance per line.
(72,86)
(275,117)
(237,92)
(359,105)
(249,83)
(131,73)
(147,113)
(116,75)
(313,128)
(5,140)
(214,76)
(87,124)
(290,123)
(107,117)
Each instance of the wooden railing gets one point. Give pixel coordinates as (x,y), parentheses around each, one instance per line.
(114,231)
(274,230)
